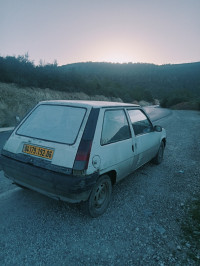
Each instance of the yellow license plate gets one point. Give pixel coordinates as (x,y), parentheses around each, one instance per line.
(38,151)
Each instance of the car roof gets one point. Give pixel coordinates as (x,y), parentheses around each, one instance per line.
(95,104)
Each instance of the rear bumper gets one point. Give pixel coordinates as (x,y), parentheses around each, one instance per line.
(56,185)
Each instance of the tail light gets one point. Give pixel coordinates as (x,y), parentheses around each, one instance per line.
(83,155)
(84,149)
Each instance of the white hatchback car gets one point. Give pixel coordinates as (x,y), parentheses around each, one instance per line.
(77,150)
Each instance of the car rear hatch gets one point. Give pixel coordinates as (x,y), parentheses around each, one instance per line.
(49,135)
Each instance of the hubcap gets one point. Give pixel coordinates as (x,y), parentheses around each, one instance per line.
(100,195)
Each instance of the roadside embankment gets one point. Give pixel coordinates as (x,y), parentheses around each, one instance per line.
(16,101)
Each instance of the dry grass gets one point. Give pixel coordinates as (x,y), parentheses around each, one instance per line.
(16,101)
(186,106)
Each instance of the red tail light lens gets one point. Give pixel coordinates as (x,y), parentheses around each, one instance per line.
(83,155)
(84,149)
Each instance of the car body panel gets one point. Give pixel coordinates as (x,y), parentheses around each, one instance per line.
(115,156)
(57,185)
(146,147)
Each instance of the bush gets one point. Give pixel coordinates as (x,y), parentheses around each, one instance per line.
(191,228)
(172,100)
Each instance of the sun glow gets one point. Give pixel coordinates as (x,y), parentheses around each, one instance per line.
(114,50)
(117,58)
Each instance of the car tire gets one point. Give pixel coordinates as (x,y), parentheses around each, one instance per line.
(159,156)
(100,197)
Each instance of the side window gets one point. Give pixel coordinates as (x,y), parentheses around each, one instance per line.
(115,127)
(140,122)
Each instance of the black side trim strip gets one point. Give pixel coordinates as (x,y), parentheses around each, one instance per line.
(86,141)
(90,127)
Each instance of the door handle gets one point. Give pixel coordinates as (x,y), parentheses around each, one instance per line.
(133,149)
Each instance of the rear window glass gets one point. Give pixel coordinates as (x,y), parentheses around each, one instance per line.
(53,123)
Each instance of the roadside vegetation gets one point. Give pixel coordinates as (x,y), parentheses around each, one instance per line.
(191,229)
(16,101)
(171,84)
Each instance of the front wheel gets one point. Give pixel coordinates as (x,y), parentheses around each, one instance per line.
(159,156)
(100,197)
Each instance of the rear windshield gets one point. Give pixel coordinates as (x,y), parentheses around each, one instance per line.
(53,123)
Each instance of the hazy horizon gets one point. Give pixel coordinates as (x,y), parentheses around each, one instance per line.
(82,62)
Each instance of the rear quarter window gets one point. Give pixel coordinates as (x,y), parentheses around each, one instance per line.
(115,127)
(57,123)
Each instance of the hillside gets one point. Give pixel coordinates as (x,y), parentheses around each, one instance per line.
(17,101)
(171,84)
(159,80)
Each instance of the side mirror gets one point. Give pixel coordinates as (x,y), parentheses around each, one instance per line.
(157,128)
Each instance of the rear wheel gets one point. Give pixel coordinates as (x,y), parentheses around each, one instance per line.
(159,156)
(100,197)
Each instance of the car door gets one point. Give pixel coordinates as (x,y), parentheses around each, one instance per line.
(146,139)
(116,151)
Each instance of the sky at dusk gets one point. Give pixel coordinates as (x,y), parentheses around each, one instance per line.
(70,31)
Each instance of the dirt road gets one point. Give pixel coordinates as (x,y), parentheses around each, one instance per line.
(141,227)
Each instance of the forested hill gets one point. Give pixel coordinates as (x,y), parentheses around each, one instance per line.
(169,83)
(134,81)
